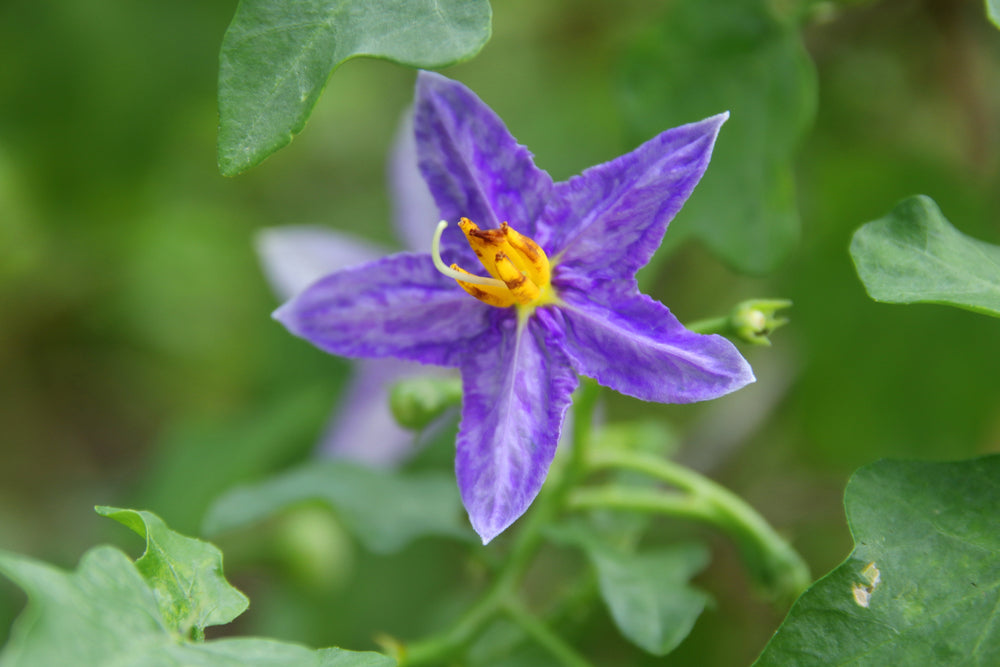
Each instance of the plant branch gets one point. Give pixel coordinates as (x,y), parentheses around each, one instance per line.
(502,593)
(545,638)
(772,561)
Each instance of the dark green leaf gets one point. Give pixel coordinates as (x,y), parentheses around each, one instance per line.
(704,58)
(277,55)
(914,255)
(648,593)
(385,510)
(184,573)
(922,586)
(106,614)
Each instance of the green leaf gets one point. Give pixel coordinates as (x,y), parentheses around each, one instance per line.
(106,614)
(704,58)
(102,610)
(914,255)
(922,586)
(993,11)
(184,573)
(276,57)
(648,593)
(649,596)
(385,510)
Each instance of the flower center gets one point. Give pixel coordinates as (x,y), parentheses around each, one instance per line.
(519,268)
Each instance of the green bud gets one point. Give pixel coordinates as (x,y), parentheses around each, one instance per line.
(416,402)
(754,320)
(314,548)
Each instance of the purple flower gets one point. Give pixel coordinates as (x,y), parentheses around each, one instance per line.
(560,298)
(293,257)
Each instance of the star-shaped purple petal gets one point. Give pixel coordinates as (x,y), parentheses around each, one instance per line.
(516,392)
(519,364)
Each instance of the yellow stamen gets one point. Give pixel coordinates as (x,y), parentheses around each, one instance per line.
(524,290)
(493,295)
(461,275)
(535,263)
(519,269)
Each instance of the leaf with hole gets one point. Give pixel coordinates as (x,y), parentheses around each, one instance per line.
(922,586)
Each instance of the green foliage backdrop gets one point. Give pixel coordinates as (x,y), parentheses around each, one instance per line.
(139,366)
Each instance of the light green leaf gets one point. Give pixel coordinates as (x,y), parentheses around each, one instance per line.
(106,614)
(707,57)
(914,255)
(649,596)
(385,510)
(276,57)
(993,11)
(257,652)
(648,593)
(104,609)
(922,586)
(184,573)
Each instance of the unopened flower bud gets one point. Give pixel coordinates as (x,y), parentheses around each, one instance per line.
(754,320)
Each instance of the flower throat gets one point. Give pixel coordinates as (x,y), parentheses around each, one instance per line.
(520,270)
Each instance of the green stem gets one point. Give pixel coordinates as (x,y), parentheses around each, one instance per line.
(711,325)
(537,630)
(679,505)
(434,650)
(502,593)
(771,559)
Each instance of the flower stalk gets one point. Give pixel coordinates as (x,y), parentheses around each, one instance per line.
(749,321)
(540,632)
(501,596)
(773,562)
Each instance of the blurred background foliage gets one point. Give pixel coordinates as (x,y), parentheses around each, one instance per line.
(139,365)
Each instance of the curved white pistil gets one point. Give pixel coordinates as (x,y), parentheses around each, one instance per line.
(452,273)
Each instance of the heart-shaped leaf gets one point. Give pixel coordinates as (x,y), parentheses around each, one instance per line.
(277,56)
(914,255)
(648,594)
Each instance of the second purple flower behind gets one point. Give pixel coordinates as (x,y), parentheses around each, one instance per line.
(558,298)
